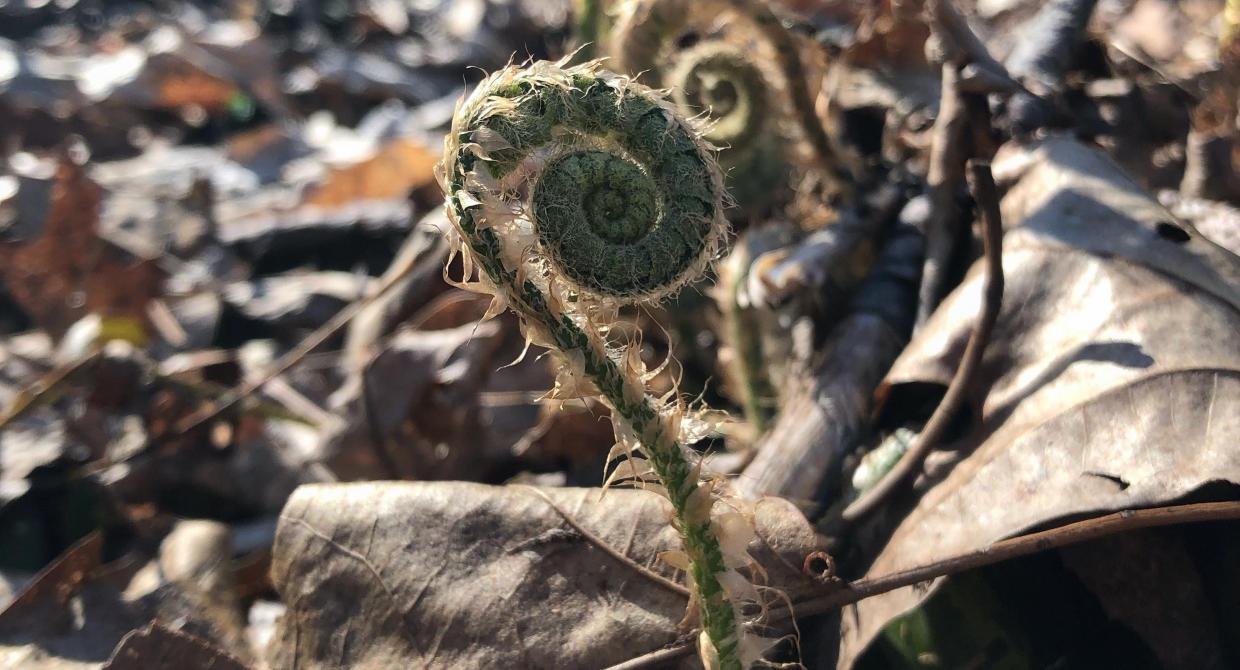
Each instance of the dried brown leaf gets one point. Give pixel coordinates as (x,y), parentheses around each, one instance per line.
(456,575)
(1112,380)
(69,271)
(413,410)
(397,168)
(74,613)
(57,581)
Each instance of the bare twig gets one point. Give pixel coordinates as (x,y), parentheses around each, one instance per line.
(37,392)
(960,132)
(948,152)
(657,658)
(827,407)
(1054,538)
(1024,545)
(610,550)
(984,192)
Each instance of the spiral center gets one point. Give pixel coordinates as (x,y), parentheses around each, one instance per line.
(606,212)
(720,95)
(626,203)
(616,199)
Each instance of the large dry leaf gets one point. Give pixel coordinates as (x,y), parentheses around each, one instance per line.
(75,613)
(458,575)
(1112,380)
(412,412)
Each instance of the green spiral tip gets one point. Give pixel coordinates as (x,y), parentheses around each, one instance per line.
(624,199)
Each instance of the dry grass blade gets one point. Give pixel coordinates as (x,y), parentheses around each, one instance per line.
(39,392)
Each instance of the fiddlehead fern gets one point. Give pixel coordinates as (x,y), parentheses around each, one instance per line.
(717,77)
(721,76)
(572,191)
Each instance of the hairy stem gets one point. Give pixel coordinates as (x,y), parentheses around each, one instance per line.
(630,401)
(587,26)
(742,334)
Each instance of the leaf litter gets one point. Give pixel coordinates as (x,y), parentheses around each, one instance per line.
(247,421)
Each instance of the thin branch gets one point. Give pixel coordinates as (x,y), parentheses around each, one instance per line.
(38,392)
(1024,545)
(949,150)
(610,550)
(982,184)
(961,131)
(657,658)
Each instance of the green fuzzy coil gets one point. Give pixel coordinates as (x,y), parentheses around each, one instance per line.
(626,206)
(625,202)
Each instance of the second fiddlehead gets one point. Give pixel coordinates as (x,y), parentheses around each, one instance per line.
(718,78)
(648,33)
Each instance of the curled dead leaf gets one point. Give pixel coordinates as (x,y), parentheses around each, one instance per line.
(1112,381)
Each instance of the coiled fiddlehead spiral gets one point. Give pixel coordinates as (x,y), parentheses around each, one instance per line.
(648,28)
(717,77)
(574,190)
